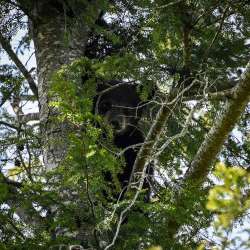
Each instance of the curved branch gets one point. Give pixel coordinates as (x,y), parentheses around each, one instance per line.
(7,47)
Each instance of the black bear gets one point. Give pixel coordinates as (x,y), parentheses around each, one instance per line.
(120,105)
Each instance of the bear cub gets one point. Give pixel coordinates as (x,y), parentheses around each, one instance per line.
(120,105)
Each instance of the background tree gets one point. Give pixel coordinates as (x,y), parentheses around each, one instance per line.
(188,55)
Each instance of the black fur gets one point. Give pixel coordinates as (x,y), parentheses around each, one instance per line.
(121,107)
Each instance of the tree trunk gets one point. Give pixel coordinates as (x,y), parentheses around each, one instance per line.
(52,51)
(49,30)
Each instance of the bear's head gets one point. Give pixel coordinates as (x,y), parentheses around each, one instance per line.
(120,105)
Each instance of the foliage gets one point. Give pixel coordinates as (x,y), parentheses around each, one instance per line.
(229,201)
(157,45)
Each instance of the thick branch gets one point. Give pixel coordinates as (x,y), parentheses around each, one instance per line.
(219,88)
(4,179)
(29,117)
(220,95)
(153,135)
(226,121)
(211,146)
(7,47)
(6,124)
(145,152)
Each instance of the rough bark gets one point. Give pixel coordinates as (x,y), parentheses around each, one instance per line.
(49,30)
(214,140)
(152,138)
(211,146)
(59,39)
(209,149)
(52,51)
